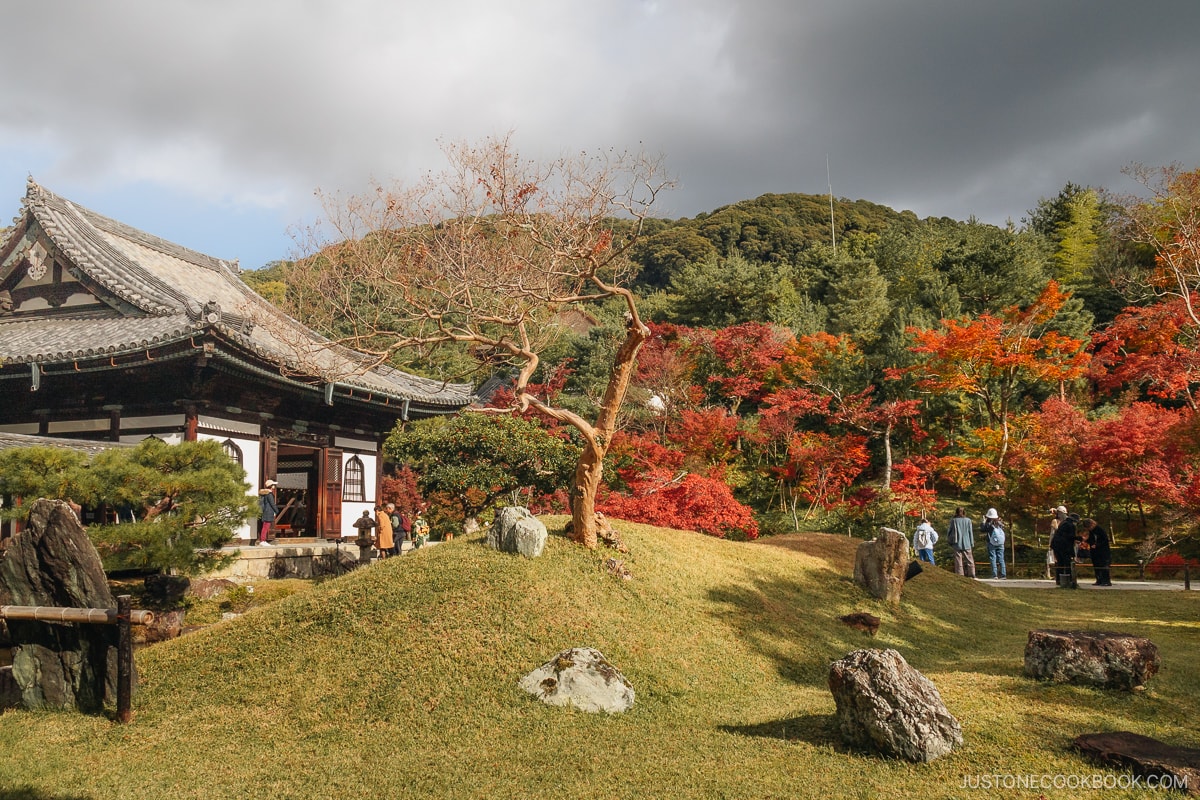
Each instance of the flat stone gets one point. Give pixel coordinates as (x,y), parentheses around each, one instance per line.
(1091,658)
(862,621)
(1144,756)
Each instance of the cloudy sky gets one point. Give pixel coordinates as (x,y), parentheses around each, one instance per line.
(211,122)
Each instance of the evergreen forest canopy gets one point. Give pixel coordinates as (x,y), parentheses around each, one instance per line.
(794,380)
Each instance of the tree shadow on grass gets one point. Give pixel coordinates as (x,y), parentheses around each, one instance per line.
(31,793)
(816,729)
(944,622)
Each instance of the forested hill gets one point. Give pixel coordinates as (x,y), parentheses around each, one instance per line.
(770,228)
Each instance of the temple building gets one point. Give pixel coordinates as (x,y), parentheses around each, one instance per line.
(110,334)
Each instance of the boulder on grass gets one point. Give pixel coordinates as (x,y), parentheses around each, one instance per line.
(1091,658)
(166,625)
(209,588)
(517,530)
(888,707)
(53,563)
(1175,767)
(881,564)
(862,621)
(581,677)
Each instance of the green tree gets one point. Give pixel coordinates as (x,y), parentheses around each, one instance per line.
(478,459)
(270,281)
(180,503)
(56,473)
(1078,239)
(857,299)
(723,290)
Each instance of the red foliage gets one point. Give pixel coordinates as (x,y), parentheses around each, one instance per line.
(1134,455)
(707,437)
(557,503)
(401,488)
(820,467)
(752,357)
(1153,347)
(912,485)
(783,409)
(1171,565)
(632,454)
(691,502)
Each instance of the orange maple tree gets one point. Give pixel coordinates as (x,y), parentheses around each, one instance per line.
(991,357)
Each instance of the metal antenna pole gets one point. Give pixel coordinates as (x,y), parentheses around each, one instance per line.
(832,229)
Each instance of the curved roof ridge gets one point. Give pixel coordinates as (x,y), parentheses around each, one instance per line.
(74,234)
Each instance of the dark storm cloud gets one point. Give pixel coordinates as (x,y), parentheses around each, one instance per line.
(954,108)
(946,108)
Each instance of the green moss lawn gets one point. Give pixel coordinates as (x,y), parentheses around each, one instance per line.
(400,681)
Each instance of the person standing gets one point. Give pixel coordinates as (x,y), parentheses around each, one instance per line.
(268,510)
(924,538)
(1063,545)
(404,532)
(961,535)
(993,529)
(394,518)
(383,538)
(1097,545)
(1050,559)
(420,530)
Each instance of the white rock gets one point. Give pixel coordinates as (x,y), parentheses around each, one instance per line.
(581,677)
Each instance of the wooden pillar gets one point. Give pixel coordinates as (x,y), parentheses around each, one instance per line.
(114,423)
(379,498)
(124,660)
(191,422)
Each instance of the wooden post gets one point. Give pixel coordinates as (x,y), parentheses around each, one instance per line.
(124,661)
(1187,578)
(1141,569)
(1012,544)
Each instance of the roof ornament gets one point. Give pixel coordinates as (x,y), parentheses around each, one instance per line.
(212,312)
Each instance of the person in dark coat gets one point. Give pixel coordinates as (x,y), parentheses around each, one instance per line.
(268,509)
(961,535)
(1063,544)
(1096,544)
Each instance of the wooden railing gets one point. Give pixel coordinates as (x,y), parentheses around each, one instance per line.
(122,616)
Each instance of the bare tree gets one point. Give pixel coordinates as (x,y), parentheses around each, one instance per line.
(489,253)
(1168,223)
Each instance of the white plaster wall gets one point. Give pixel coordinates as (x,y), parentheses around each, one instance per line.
(251,464)
(352,511)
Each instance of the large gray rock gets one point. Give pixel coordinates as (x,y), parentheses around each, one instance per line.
(10,693)
(1091,658)
(516,530)
(886,706)
(581,677)
(880,565)
(53,563)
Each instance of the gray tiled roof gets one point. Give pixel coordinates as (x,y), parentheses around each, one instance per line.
(161,292)
(11,441)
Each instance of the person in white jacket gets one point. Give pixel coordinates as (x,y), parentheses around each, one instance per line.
(924,538)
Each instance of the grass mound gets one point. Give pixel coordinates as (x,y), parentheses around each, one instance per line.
(401,681)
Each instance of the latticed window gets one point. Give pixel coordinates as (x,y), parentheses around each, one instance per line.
(354,485)
(233,451)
